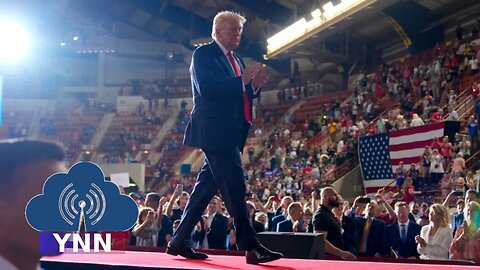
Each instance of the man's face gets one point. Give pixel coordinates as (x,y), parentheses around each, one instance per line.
(333,200)
(373,209)
(229,34)
(286,202)
(213,206)
(297,213)
(15,233)
(415,208)
(402,213)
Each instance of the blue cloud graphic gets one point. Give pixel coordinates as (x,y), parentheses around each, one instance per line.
(81,191)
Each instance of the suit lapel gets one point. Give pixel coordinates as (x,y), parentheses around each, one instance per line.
(223,59)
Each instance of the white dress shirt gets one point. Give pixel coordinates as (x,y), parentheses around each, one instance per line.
(437,246)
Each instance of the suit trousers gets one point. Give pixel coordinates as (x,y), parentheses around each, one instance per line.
(222,170)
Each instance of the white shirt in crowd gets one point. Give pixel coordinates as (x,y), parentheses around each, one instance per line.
(437,246)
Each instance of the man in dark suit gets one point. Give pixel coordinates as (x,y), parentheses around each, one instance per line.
(400,235)
(223,89)
(371,232)
(295,217)
(217,226)
(281,213)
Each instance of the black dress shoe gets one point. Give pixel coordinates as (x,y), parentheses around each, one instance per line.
(261,254)
(185,252)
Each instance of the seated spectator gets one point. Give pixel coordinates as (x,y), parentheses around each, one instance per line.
(434,240)
(466,242)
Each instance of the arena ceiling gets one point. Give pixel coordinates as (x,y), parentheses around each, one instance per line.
(181,21)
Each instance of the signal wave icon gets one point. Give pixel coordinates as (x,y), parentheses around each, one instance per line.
(69,200)
(81,194)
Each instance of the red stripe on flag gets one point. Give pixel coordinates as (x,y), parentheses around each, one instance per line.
(410,145)
(415,130)
(406,161)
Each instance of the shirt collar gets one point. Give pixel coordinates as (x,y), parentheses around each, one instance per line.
(225,51)
(6,265)
(400,224)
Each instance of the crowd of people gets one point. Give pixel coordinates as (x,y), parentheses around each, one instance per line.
(367,227)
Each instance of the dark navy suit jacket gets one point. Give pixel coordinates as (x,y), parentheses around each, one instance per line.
(285,226)
(217,235)
(217,119)
(393,240)
(375,238)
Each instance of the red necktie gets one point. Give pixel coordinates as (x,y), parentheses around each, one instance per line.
(246,101)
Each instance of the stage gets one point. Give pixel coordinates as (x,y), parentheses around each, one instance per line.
(154,260)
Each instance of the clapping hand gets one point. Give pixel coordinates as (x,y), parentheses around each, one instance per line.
(420,241)
(250,72)
(260,79)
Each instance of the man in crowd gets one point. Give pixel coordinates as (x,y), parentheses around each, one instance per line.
(216,226)
(371,232)
(400,235)
(295,218)
(24,167)
(154,201)
(324,221)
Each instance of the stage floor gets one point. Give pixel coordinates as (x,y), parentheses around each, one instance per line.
(149,260)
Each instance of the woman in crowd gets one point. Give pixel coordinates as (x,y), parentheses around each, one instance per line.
(146,230)
(466,242)
(408,191)
(435,238)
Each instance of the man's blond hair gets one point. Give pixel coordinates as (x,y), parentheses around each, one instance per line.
(225,16)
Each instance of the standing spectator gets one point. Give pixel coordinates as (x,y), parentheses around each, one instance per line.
(435,238)
(466,242)
(400,235)
(416,121)
(324,221)
(147,228)
(294,222)
(472,126)
(436,167)
(216,226)
(371,232)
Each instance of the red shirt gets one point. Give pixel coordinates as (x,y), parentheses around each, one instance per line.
(437,117)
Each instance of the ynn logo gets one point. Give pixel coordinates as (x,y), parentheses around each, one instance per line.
(80,201)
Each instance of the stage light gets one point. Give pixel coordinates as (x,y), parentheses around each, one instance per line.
(75,38)
(15,42)
(62,44)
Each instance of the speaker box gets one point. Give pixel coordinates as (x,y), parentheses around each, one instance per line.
(295,245)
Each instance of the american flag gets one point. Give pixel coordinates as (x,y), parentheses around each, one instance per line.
(381,154)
